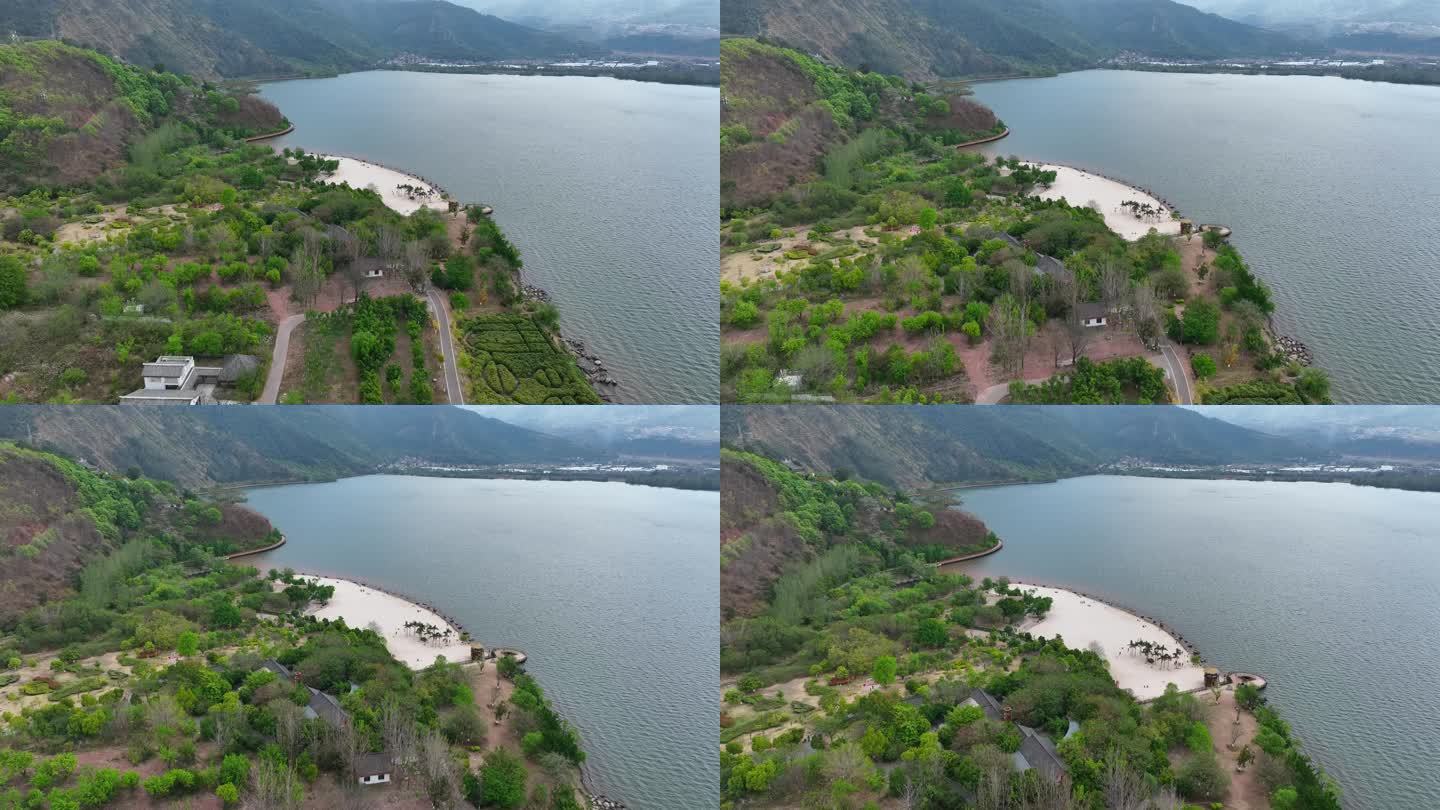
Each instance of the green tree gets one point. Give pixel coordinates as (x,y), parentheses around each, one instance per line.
(188,644)
(884,670)
(502,780)
(1201,322)
(1203,365)
(13,289)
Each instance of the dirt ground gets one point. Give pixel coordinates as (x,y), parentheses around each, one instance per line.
(754,264)
(1246,790)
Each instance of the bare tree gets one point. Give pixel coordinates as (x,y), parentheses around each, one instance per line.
(1009,329)
(346,249)
(397,731)
(307,268)
(1145,315)
(289,726)
(437,768)
(1124,787)
(389,243)
(276,787)
(1114,285)
(417,264)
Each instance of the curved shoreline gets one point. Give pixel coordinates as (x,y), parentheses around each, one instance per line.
(258,138)
(972,556)
(237,555)
(988,139)
(1187,644)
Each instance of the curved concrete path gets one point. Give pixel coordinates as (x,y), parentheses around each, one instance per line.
(1178,374)
(454,393)
(277,360)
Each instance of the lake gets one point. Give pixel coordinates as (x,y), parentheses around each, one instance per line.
(612,589)
(609,188)
(1327,590)
(1330,184)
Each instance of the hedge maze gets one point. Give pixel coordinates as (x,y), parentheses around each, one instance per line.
(510,359)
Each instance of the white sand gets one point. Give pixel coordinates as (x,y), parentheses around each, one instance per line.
(1080,188)
(359,606)
(1081,621)
(360,174)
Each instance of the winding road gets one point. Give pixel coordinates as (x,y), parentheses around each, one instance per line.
(454,393)
(277,360)
(1175,370)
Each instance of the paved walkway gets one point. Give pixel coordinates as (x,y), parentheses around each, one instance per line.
(454,393)
(1176,369)
(277,360)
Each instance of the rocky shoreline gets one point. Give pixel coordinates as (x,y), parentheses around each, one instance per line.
(590,363)
(1293,350)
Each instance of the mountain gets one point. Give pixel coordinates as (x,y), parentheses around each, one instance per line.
(1404,433)
(676,432)
(915,446)
(68,114)
(924,39)
(240,38)
(201,447)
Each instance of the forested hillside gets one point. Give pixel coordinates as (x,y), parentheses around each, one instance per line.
(230,38)
(925,39)
(56,516)
(787,117)
(782,531)
(920,446)
(67,114)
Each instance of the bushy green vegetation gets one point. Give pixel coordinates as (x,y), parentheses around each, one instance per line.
(928,640)
(1112,382)
(217,720)
(510,358)
(853,528)
(871,278)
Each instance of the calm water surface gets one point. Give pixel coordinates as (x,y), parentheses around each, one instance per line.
(612,589)
(609,188)
(1332,186)
(1328,590)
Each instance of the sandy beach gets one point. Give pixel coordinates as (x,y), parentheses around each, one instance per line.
(1082,621)
(360,174)
(1080,188)
(360,605)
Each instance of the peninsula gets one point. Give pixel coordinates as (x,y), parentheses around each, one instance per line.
(172,673)
(869,254)
(154,248)
(869,673)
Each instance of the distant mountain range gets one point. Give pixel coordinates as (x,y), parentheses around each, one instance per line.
(925,39)
(922,446)
(1366,26)
(244,38)
(202,447)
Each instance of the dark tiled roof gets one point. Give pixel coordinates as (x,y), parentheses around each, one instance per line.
(1040,752)
(373,764)
(327,708)
(278,668)
(1088,310)
(1049,265)
(988,704)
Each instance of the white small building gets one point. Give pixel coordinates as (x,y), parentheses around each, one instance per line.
(169,372)
(174,380)
(373,769)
